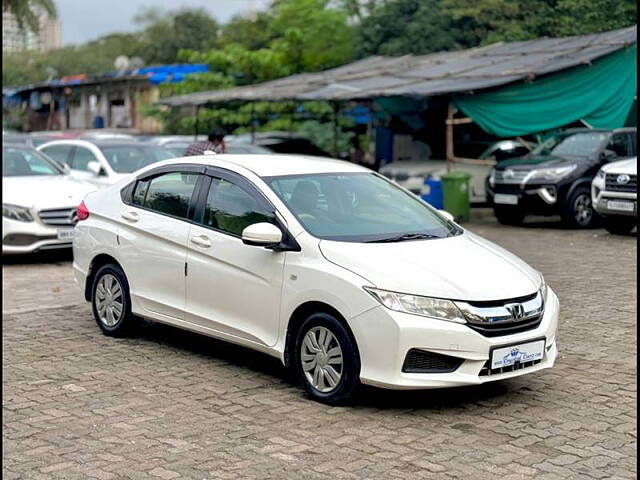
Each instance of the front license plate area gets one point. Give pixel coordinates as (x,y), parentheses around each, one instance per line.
(505,199)
(65,234)
(517,353)
(620,206)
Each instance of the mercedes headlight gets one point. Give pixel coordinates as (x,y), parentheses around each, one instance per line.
(14,212)
(438,308)
(551,174)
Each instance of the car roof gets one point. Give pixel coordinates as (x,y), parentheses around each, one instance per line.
(101,143)
(273,165)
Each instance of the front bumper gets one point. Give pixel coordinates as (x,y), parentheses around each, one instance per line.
(30,237)
(539,199)
(600,199)
(384,338)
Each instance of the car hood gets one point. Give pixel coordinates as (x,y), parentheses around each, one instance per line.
(465,267)
(531,162)
(630,167)
(59,191)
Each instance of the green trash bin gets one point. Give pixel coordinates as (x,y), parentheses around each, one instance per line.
(455,188)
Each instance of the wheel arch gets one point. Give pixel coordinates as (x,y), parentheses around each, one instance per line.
(97,262)
(300,314)
(580,182)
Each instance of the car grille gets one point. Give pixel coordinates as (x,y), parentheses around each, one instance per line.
(419,361)
(504,317)
(487,370)
(59,217)
(510,176)
(612,185)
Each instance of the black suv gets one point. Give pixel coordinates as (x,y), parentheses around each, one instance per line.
(555,178)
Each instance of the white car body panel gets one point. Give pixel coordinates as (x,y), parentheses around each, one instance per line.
(247,294)
(600,195)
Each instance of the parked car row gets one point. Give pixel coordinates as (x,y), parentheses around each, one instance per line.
(555,178)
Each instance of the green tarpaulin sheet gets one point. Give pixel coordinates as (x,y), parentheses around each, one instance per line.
(600,94)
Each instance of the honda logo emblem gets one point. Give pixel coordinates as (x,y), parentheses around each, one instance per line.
(516,310)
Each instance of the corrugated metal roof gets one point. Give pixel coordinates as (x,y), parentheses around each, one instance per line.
(426,75)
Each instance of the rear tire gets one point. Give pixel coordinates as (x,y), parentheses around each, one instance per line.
(619,226)
(509,216)
(111,302)
(326,360)
(578,209)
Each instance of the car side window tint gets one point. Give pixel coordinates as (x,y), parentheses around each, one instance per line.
(231,208)
(140,192)
(81,158)
(59,153)
(620,145)
(170,193)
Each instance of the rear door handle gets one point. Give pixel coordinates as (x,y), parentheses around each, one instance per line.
(131,216)
(201,240)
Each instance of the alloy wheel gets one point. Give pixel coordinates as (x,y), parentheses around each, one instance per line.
(109,300)
(321,357)
(583,211)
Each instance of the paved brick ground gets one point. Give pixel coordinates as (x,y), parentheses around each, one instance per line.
(169,404)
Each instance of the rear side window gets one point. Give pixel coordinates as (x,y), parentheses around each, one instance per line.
(60,153)
(231,209)
(169,193)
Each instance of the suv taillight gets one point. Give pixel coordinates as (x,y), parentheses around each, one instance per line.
(83,212)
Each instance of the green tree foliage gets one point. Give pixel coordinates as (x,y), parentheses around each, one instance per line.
(166,33)
(26,11)
(401,27)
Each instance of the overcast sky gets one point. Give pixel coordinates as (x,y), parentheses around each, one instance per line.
(84,20)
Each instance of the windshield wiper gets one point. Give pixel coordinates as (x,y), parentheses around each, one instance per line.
(406,236)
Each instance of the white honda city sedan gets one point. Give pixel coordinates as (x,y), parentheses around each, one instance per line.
(341,274)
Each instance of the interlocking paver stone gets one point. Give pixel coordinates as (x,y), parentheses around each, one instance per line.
(170,404)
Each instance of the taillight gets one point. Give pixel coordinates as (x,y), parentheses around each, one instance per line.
(83,212)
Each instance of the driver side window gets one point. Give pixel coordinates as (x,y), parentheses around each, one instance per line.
(620,145)
(231,209)
(81,158)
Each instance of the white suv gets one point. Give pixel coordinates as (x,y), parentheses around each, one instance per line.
(333,269)
(614,193)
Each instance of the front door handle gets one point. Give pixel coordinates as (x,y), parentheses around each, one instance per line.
(201,240)
(131,216)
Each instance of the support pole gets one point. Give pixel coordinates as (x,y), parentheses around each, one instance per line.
(253,123)
(449,130)
(196,109)
(336,109)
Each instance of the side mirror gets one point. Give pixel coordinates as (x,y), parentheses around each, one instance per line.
(446,215)
(262,235)
(607,155)
(95,168)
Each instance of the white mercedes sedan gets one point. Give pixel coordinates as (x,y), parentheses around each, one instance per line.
(39,200)
(341,274)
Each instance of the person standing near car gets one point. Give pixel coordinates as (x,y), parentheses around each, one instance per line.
(214,142)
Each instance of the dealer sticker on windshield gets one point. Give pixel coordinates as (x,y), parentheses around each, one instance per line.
(505,199)
(525,352)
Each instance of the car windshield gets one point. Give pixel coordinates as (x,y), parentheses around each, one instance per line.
(573,145)
(358,207)
(128,159)
(18,162)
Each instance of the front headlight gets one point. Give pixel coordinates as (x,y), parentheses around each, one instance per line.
(551,174)
(543,289)
(492,177)
(438,308)
(600,173)
(15,212)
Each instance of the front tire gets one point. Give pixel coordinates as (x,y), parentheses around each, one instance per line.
(111,302)
(578,209)
(619,226)
(326,359)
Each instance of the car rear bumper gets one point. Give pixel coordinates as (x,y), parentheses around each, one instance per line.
(385,338)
